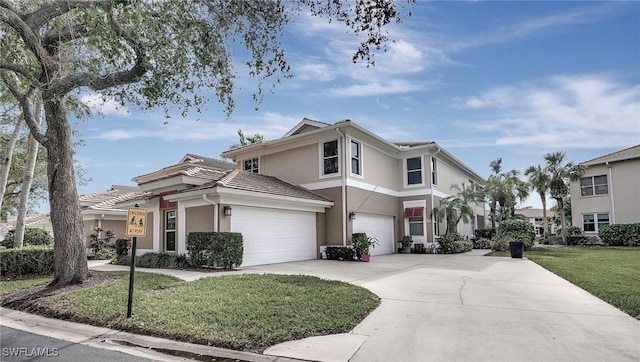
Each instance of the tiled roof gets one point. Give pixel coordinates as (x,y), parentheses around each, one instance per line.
(189,165)
(529,213)
(106,200)
(412,143)
(208,162)
(40,221)
(626,154)
(248,181)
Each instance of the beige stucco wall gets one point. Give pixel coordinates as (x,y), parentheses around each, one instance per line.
(225,221)
(625,189)
(297,166)
(332,216)
(116,226)
(146,242)
(199,218)
(377,168)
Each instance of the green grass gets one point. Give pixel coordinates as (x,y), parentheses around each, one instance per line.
(242,312)
(610,273)
(7,286)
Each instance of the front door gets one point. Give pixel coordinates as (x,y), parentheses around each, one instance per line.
(170,230)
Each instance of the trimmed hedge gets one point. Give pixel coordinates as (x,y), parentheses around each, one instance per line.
(32,236)
(454,244)
(215,249)
(344,253)
(583,240)
(620,234)
(27,260)
(485,233)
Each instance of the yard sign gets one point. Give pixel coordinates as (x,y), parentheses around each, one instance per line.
(136,222)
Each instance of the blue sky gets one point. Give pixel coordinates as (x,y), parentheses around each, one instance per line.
(483,79)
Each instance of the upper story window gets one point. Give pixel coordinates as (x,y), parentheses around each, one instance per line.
(434,172)
(251,165)
(414,171)
(594,185)
(593,222)
(330,160)
(356,158)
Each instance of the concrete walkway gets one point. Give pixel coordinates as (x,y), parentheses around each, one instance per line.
(457,307)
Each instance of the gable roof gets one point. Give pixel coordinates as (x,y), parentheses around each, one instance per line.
(189,165)
(306,125)
(626,154)
(533,213)
(249,181)
(207,162)
(106,201)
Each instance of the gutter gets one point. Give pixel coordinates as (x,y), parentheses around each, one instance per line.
(433,227)
(344,190)
(216,221)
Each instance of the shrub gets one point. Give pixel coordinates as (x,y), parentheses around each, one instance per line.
(573,231)
(509,227)
(27,260)
(485,233)
(99,241)
(162,261)
(215,249)
(454,243)
(362,244)
(481,243)
(500,243)
(620,234)
(122,247)
(554,240)
(32,236)
(344,253)
(584,240)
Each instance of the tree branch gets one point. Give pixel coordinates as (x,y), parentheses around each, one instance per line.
(50,11)
(20,70)
(25,102)
(53,37)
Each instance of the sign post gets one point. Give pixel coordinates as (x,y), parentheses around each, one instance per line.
(136,226)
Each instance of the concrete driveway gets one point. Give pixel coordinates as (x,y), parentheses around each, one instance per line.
(466,308)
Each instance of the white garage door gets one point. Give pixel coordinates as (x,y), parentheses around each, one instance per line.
(275,236)
(379,227)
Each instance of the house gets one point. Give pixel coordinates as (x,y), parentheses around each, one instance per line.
(608,192)
(536,218)
(378,187)
(36,221)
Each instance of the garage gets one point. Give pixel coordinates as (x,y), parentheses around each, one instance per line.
(379,227)
(275,235)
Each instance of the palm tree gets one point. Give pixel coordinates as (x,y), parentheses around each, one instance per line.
(503,189)
(458,207)
(560,174)
(539,182)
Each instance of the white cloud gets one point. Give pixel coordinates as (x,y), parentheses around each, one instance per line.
(102,105)
(572,111)
(377,88)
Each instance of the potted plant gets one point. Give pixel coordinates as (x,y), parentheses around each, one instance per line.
(361,243)
(516,244)
(406,243)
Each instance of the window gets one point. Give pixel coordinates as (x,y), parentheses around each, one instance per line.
(593,222)
(251,165)
(416,226)
(330,158)
(436,224)
(355,158)
(434,172)
(594,185)
(413,212)
(414,171)
(170,230)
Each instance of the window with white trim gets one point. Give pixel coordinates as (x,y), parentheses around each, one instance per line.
(356,158)
(593,222)
(251,165)
(434,172)
(414,171)
(170,230)
(416,226)
(330,159)
(594,185)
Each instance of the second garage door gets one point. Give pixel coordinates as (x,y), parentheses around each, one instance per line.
(274,235)
(379,227)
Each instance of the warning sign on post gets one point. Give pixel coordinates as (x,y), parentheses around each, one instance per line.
(136,222)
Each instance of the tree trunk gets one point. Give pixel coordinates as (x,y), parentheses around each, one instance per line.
(564,224)
(6,165)
(545,222)
(69,254)
(27,180)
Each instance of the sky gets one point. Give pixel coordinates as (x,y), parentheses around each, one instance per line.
(484,80)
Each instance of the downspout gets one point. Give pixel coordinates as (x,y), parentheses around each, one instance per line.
(613,204)
(216,221)
(433,228)
(344,190)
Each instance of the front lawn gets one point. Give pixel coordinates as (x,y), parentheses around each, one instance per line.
(7,286)
(241,312)
(610,273)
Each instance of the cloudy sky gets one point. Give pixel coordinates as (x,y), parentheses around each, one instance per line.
(483,79)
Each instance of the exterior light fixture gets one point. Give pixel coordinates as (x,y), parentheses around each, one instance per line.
(352,215)
(227,210)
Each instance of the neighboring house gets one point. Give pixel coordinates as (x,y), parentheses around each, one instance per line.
(608,192)
(382,188)
(279,221)
(536,218)
(36,221)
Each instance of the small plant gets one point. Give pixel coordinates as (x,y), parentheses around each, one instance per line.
(406,241)
(343,253)
(454,243)
(99,241)
(362,243)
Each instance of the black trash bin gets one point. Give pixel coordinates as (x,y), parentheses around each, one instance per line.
(516,248)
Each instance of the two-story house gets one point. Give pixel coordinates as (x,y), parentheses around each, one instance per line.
(608,192)
(382,188)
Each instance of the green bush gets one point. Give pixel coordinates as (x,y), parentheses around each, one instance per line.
(500,243)
(620,234)
(27,260)
(511,227)
(215,249)
(156,260)
(485,233)
(344,253)
(100,242)
(573,231)
(584,240)
(362,244)
(32,236)
(122,247)
(481,243)
(453,244)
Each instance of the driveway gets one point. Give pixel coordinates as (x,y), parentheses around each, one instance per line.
(463,307)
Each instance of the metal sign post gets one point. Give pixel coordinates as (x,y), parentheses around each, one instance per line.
(136,226)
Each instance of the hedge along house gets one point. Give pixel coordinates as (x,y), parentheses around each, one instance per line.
(381,188)
(278,220)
